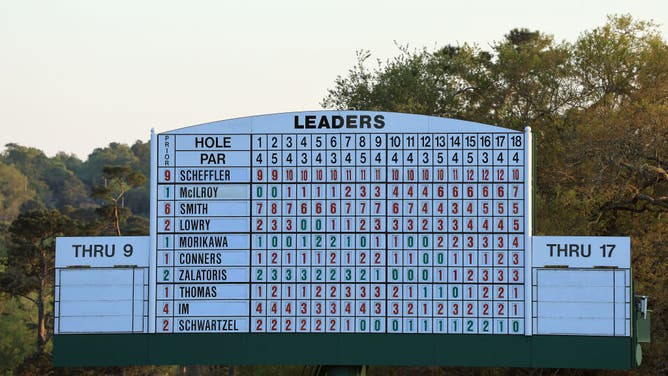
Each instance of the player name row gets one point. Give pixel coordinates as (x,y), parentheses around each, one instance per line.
(399,223)
(345,257)
(361,198)
(335,274)
(341,325)
(336,208)
(169,175)
(340,308)
(315,241)
(383,190)
(347,291)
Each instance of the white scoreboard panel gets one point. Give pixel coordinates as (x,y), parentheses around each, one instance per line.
(342,222)
(101,285)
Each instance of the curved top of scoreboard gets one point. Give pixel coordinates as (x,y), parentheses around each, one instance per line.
(339,121)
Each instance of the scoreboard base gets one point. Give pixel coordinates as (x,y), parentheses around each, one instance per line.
(345,349)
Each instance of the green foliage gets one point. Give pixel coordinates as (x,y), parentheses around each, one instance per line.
(29,266)
(4,240)
(142,151)
(55,185)
(30,185)
(518,82)
(136,158)
(136,225)
(440,83)
(118,180)
(71,161)
(31,252)
(14,191)
(528,79)
(609,60)
(15,343)
(91,171)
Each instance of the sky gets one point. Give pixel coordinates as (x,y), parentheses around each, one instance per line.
(78,75)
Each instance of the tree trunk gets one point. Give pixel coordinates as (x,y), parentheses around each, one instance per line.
(41,312)
(117,219)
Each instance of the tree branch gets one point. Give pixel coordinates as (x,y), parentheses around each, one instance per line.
(646,203)
(656,170)
(34,301)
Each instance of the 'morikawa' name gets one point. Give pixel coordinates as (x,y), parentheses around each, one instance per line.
(338,121)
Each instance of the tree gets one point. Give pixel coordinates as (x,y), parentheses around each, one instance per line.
(620,161)
(599,111)
(137,225)
(15,341)
(531,79)
(609,60)
(14,191)
(116,154)
(29,266)
(70,161)
(142,150)
(441,83)
(525,78)
(118,180)
(55,185)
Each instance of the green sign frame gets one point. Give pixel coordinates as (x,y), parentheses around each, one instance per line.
(345,349)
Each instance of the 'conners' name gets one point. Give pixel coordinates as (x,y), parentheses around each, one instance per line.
(338,121)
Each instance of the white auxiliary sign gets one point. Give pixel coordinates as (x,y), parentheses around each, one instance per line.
(101,285)
(581,285)
(582,251)
(102,251)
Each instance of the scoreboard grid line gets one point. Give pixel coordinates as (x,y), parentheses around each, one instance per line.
(250,243)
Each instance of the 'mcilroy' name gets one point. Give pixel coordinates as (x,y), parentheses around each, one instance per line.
(338,121)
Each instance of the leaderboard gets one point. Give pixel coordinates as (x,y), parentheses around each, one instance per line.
(340,222)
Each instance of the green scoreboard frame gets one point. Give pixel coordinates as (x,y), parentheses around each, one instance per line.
(536,351)
(527,349)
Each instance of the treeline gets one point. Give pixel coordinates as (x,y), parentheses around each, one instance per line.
(598,108)
(42,198)
(30,180)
